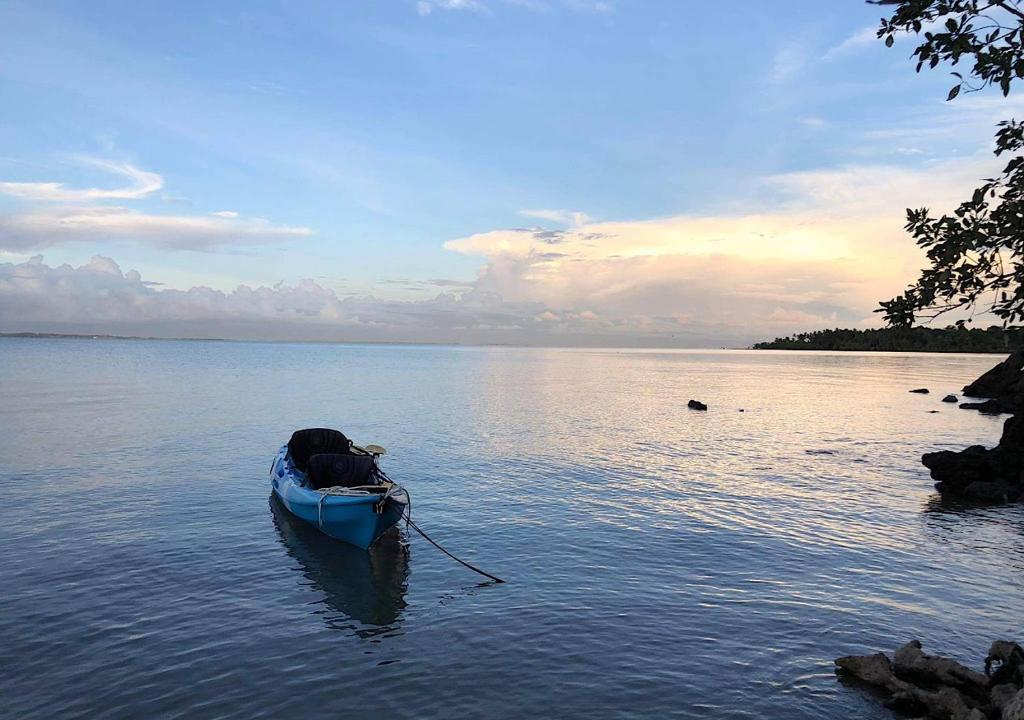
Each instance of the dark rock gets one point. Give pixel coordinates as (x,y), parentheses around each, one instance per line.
(951,399)
(873,669)
(696,405)
(1004,378)
(995,475)
(920,391)
(957,470)
(995,406)
(910,663)
(993,492)
(930,686)
(1005,663)
(1003,385)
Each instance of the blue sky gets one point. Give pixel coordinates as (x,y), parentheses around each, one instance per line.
(396,165)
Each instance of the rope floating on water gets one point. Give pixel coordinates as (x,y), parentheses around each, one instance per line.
(409,522)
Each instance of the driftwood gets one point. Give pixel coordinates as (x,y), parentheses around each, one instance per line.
(935,687)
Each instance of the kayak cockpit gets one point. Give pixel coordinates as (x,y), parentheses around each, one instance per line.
(325,479)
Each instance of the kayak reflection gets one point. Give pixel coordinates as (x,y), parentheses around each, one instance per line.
(364,586)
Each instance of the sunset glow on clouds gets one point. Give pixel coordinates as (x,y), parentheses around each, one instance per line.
(454,190)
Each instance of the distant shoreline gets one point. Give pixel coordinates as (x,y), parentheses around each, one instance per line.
(648,348)
(992,340)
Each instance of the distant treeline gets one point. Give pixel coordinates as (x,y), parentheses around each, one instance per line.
(919,339)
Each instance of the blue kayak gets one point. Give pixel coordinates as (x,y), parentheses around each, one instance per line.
(343,494)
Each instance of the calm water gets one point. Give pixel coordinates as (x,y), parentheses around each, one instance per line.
(661,562)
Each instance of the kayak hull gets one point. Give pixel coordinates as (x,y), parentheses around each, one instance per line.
(356,519)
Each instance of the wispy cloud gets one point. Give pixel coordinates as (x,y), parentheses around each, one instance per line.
(47,227)
(54,214)
(142,183)
(596,7)
(861,38)
(563,217)
(787,63)
(814,122)
(426,7)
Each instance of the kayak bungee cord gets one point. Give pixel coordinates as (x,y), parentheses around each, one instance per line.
(408,522)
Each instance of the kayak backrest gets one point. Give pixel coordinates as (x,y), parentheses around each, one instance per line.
(311,441)
(338,470)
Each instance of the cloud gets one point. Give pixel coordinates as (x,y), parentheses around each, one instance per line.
(868,36)
(99,297)
(819,248)
(426,7)
(564,217)
(46,227)
(143,183)
(860,39)
(597,7)
(54,214)
(787,63)
(813,122)
(810,249)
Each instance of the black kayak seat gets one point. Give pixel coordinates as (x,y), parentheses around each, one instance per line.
(304,444)
(339,470)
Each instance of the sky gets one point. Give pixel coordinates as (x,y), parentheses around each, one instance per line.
(537,172)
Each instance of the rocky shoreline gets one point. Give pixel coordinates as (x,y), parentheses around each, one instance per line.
(980,473)
(921,685)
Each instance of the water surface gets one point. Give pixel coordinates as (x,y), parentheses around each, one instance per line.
(661,562)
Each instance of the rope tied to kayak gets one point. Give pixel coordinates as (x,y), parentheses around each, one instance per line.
(410,523)
(381,478)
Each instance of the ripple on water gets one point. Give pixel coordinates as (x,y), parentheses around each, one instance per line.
(661,562)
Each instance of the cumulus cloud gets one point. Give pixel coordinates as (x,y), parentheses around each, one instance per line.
(823,248)
(99,297)
(142,183)
(814,249)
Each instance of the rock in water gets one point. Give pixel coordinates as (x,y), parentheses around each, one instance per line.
(920,391)
(981,474)
(951,399)
(995,475)
(696,405)
(1003,379)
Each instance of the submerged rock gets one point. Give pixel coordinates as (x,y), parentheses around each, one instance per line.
(919,684)
(921,391)
(696,405)
(951,399)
